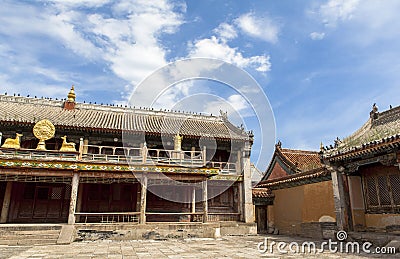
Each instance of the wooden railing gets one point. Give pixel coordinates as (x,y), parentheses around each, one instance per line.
(133,217)
(222,216)
(107,217)
(36,154)
(143,155)
(225,167)
(124,155)
(175,216)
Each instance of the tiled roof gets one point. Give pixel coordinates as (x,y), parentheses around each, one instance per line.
(380,130)
(262,193)
(23,110)
(301,159)
(315,175)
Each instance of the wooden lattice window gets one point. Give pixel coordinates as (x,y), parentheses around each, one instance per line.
(382,193)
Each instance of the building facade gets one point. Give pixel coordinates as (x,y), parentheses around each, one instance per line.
(63,161)
(295,196)
(365,174)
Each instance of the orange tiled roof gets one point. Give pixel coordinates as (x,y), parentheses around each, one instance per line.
(302,160)
(315,175)
(262,193)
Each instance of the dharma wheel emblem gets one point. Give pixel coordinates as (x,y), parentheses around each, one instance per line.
(43,130)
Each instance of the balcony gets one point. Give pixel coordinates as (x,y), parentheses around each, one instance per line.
(123,156)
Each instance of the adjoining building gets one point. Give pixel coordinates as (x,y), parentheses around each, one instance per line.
(295,195)
(366,174)
(355,183)
(63,161)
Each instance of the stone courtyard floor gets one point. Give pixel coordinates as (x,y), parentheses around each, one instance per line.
(225,247)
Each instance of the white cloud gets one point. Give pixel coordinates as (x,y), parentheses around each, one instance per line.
(226,31)
(258,27)
(317,35)
(335,11)
(131,44)
(215,48)
(80,3)
(26,20)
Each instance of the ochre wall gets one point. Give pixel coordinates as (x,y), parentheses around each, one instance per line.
(318,201)
(288,209)
(301,204)
(380,221)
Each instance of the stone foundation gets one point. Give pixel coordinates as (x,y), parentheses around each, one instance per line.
(161,231)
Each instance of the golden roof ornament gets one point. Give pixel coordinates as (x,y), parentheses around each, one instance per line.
(43,130)
(178,142)
(67,146)
(13,142)
(71,95)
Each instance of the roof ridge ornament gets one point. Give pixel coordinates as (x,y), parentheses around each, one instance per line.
(224,115)
(374,113)
(69,104)
(71,95)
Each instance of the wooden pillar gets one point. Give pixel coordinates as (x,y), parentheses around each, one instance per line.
(143,195)
(144,154)
(205,201)
(240,201)
(80,148)
(357,202)
(85,146)
(339,200)
(205,155)
(193,199)
(6,203)
(74,194)
(79,201)
(138,196)
(246,191)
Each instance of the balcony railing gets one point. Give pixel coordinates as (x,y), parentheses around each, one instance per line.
(143,156)
(124,155)
(36,154)
(224,167)
(107,217)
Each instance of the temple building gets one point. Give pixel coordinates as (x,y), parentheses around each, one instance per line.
(295,195)
(353,183)
(67,162)
(366,174)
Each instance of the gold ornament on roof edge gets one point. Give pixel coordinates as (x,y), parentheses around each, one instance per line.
(43,130)
(178,142)
(67,146)
(13,142)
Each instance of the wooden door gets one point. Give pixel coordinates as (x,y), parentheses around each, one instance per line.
(261,218)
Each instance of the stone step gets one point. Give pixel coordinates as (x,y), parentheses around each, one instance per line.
(30,232)
(28,242)
(18,237)
(29,227)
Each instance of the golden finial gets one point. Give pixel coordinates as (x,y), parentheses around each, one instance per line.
(71,95)
(321,147)
(178,142)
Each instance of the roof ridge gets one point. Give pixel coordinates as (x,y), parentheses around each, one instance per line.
(299,151)
(102,107)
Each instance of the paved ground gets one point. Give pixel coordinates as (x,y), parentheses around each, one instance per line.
(226,247)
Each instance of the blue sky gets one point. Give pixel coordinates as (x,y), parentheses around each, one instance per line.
(322,64)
